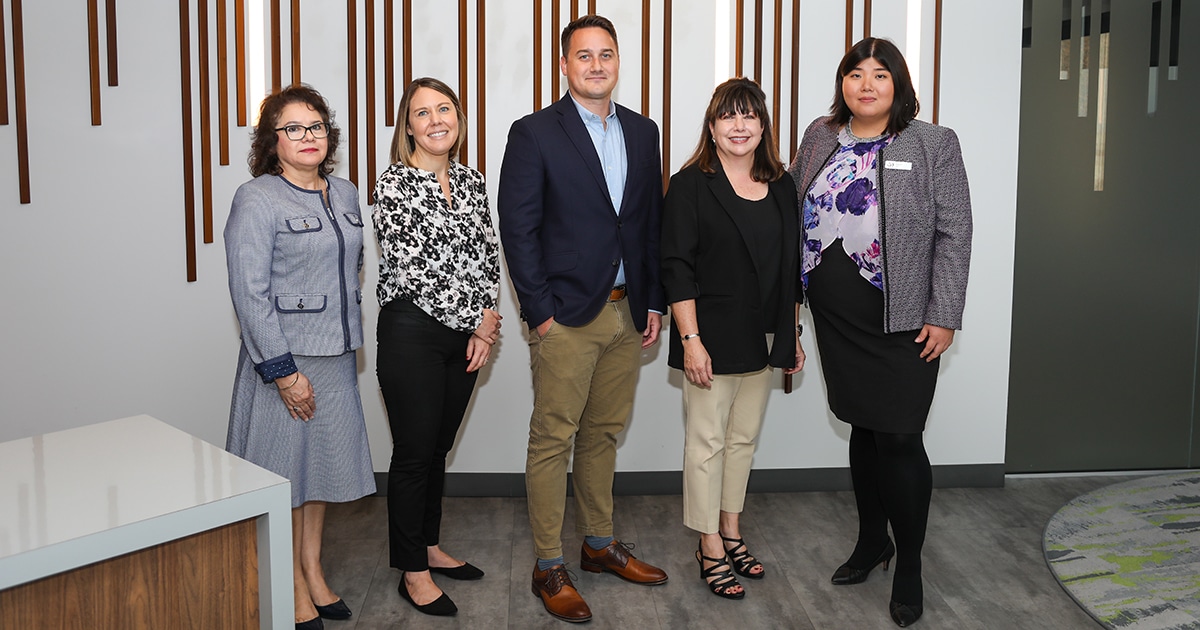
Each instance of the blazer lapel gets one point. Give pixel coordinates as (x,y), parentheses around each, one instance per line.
(729,200)
(573,126)
(633,148)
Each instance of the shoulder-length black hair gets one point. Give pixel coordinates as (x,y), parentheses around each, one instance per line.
(263,159)
(904,96)
(739,96)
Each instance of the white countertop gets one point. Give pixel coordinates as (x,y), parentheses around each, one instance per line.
(77,496)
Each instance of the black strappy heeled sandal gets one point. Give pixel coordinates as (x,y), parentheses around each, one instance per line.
(724,579)
(742,561)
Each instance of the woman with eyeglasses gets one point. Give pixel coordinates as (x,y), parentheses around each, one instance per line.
(439,278)
(294,249)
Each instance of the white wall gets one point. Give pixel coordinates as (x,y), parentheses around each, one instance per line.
(99,322)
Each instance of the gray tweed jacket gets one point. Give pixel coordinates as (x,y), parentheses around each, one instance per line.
(924,220)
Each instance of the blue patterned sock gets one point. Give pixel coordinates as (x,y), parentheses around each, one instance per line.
(598,542)
(544,565)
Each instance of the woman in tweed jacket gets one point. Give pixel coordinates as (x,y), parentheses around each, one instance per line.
(885,248)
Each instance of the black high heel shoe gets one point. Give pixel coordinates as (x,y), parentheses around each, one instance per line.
(905,614)
(741,559)
(724,582)
(847,574)
(440,607)
(337,610)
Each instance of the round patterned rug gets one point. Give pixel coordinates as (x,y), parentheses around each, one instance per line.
(1129,553)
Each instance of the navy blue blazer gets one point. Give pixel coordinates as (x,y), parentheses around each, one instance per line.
(562,238)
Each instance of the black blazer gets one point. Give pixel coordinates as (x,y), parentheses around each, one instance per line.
(562,238)
(706,257)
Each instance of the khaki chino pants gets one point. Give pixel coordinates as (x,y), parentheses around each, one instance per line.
(722,428)
(583,384)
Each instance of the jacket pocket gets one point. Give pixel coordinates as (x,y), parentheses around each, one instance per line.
(300,302)
(304,224)
(354,219)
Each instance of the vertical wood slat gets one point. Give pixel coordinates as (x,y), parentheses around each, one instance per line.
(352,90)
(646,58)
(222,83)
(276,52)
(866,18)
(666,130)
(778,74)
(739,38)
(18,37)
(937,60)
(462,73)
(185,93)
(3,69)
(407,17)
(239,57)
(295,43)
(369,61)
(758,40)
(93,18)
(110,28)
(389,64)
(795,126)
(574,9)
(555,29)
(481,85)
(849,24)
(591,7)
(205,121)
(537,55)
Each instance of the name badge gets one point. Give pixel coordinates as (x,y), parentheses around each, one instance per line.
(897,165)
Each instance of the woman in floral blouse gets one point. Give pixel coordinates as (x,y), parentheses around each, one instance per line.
(439,279)
(886,246)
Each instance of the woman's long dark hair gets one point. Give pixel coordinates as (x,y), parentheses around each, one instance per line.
(904,96)
(739,96)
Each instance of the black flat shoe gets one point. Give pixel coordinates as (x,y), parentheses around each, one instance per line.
(312,624)
(905,614)
(847,574)
(440,607)
(337,611)
(465,571)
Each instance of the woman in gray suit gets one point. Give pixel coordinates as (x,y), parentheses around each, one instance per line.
(293,244)
(886,219)
(729,266)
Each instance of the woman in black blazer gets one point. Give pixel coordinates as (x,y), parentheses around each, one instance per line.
(730,260)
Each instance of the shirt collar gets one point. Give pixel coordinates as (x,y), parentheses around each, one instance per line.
(586,114)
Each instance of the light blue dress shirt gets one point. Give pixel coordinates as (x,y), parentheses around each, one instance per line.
(610,147)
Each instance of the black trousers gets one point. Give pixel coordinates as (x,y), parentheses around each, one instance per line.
(422,369)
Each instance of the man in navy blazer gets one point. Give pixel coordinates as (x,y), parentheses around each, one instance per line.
(580,208)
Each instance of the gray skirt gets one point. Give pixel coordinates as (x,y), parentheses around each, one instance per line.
(326,458)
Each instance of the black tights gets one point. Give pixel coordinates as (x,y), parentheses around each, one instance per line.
(892,483)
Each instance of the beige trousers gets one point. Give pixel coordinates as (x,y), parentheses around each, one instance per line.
(722,428)
(583,384)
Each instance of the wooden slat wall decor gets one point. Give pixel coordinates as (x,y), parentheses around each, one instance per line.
(295,44)
(185,90)
(591,7)
(866,18)
(369,62)
(93,18)
(222,84)
(205,122)
(666,125)
(739,38)
(555,30)
(239,59)
(776,87)
(3,69)
(795,126)
(646,59)
(389,64)
(758,40)
(462,73)
(849,24)
(408,73)
(937,59)
(481,83)
(574,9)
(352,90)
(537,55)
(276,45)
(18,37)
(110,24)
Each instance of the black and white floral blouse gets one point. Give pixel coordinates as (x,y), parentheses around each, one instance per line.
(444,258)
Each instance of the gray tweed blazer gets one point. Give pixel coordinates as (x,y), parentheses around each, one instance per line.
(924,220)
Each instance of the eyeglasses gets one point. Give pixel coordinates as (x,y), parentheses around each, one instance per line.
(296,132)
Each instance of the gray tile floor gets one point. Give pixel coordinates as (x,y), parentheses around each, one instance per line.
(983,565)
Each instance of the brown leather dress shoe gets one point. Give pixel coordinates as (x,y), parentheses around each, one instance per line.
(616,559)
(559,596)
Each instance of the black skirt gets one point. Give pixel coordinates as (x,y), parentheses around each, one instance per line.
(874,380)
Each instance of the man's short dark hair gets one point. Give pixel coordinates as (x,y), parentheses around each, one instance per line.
(586,21)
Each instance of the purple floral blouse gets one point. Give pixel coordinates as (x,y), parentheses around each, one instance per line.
(844,203)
